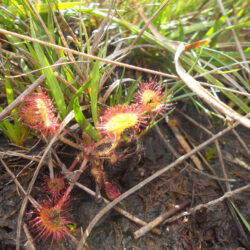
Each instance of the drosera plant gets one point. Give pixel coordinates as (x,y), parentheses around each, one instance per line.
(111,189)
(115,120)
(54,187)
(50,220)
(72,92)
(152,97)
(37,113)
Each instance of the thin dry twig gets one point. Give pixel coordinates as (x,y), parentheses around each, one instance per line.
(208,204)
(171,45)
(102,29)
(157,221)
(237,42)
(229,205)
(168,145)
(176,154)
(148,22)
(57,47)
(32,200)
(29,245)
(227,156)
(41,22)
(241,142)
(229,79)
(17,154)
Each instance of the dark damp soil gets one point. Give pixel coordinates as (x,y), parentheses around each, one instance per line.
(211,228)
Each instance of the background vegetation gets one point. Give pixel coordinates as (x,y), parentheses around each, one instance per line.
(95,38)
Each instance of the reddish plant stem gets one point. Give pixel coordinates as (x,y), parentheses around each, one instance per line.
(75,178)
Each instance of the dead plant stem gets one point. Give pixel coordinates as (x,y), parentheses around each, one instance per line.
(206,96)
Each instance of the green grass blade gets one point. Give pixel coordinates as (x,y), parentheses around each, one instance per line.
(50,77)
(94,85)
(130,92)
(83,122)
(9,91)
(77,94)
(244,221)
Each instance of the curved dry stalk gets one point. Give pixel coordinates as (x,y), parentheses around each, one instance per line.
(57,47)
(164,169)
(206,96)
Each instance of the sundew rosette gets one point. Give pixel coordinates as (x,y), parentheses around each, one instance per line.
(152,97)
(50,222)
(55,186)
(37,113)
(115,120)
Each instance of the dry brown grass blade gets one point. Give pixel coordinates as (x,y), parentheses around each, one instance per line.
(206,96)
(173,124)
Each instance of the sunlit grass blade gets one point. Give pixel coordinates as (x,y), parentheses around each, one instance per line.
(50,77)
(244,221)
(94,86)
(130,92)
(44,8)
(8,87)
(83,122)
(14,131)
(77,94)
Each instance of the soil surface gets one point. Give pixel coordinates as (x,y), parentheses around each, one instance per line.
(210,228)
